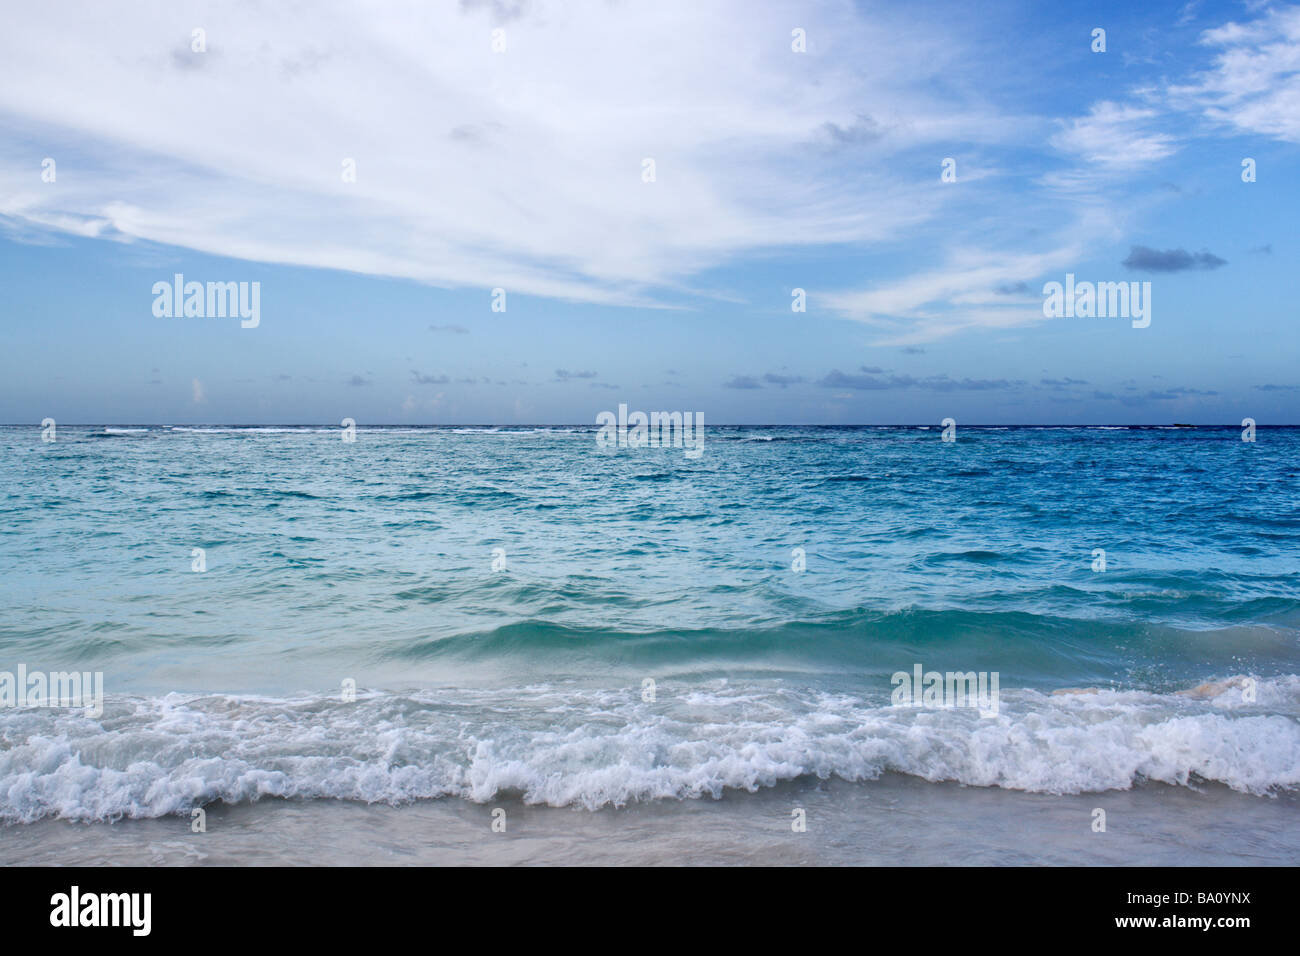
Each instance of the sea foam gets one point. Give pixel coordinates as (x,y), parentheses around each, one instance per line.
(567,747)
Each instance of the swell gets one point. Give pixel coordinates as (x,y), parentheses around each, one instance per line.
(1046,648)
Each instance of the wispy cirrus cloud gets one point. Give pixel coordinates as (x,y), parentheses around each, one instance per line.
(1254,83)
(967,294)
(524,170)
(582,93)
(1114,135)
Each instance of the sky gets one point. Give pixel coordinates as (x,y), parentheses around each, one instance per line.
(653,188)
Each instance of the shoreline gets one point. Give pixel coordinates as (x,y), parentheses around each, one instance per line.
(892,821)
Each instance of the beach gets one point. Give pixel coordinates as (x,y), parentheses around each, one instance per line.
(315,651)
(894,821)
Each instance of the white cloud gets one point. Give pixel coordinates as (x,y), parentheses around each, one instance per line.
(518,169)
(522,169)
(1254,85)
(964,294)
(1114,136)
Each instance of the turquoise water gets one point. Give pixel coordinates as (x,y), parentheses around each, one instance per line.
(373,562)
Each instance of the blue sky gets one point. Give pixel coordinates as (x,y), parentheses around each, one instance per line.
(775,170)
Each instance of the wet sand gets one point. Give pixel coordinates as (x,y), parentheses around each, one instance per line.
(894,821)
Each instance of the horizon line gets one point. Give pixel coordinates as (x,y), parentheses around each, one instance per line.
(359,425)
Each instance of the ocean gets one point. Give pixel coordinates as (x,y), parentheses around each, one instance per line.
(511,644)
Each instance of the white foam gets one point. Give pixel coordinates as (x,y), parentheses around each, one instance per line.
(249,430)
(565,747)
